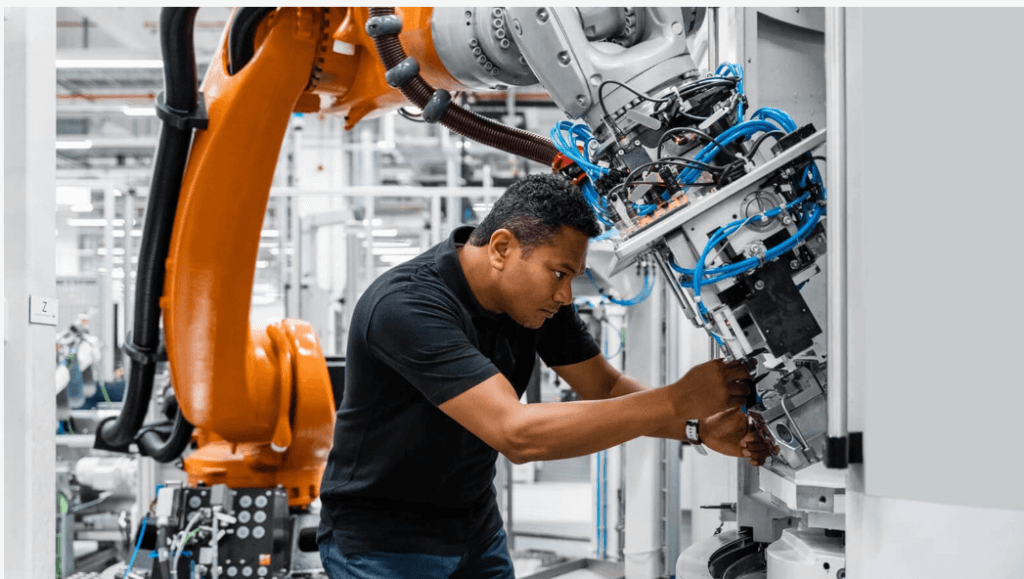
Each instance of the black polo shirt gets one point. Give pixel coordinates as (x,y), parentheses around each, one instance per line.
(402,476)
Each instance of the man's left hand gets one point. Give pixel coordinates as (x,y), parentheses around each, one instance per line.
(730,433)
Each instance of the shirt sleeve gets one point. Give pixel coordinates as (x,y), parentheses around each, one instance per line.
(422,337)
(564,339)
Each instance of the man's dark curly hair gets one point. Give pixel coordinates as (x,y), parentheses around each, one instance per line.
(534,209)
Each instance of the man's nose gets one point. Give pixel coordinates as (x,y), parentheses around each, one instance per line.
(564,294)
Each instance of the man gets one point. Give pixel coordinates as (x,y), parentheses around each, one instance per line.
(440,350)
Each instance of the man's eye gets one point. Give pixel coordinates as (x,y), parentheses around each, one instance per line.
(559,274)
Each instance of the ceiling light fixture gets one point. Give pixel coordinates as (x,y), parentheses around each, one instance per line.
(139,111)
(86,144)
(119,63)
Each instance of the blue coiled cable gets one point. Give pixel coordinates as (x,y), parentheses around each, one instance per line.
(580,135)
(644,293)
(777,115)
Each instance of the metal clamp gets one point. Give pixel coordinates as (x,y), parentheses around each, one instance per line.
(183,120)
(143,355)
(402,72)
(436,106)
(387,25)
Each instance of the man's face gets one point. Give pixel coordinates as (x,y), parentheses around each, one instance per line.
(535,288)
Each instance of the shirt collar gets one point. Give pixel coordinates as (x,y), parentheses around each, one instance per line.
(450,269)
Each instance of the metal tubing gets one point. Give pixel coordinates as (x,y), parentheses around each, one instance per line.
(792,422)
(835,70)
(689,307)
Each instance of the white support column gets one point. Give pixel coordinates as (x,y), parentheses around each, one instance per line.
(643,549)
(29,411)
(107,321)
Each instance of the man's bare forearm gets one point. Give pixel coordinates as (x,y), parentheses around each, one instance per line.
(569,429)
(626,385)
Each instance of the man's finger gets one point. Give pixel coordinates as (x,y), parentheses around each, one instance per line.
(737,401)
(754,445)
(739,363)
(738,373)
(738,388)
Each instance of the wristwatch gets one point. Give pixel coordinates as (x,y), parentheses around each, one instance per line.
(693,435)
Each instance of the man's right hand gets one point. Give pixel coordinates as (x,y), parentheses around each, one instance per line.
(710,388)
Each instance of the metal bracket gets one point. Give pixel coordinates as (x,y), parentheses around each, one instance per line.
(183,120)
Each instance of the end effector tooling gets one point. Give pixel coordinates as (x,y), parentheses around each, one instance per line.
(729,203)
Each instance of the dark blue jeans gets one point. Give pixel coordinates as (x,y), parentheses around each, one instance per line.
(485,560)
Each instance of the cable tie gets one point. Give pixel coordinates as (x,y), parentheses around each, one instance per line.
(140,354)
(183,120)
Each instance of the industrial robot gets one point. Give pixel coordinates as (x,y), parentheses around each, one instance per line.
(726,204)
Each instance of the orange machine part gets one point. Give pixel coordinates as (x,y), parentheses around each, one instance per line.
(245,389)
(260,398)
(371,95)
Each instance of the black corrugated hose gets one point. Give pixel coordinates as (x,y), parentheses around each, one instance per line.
(180,85)
(458,119)
(242,36)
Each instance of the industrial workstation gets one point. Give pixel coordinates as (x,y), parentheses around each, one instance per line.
(510,292)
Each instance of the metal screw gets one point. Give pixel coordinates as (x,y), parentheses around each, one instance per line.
(787,220)
(497,12)
(504,44)
(759,285)
(636,142)
(498,23)
(563,57)
(477,51)
(581,100)
(500,33)
(517,27)
(481,59)
(794,264)
(542,15)
(473,43)
(522,59)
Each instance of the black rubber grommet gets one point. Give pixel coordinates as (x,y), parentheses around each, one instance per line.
(388,25)
(402,73)
(436,106)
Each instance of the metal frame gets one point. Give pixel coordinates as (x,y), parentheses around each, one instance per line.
(652,235)
(29,405)
(835,225)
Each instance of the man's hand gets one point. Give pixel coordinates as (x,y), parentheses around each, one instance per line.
(729,433)
(709,388)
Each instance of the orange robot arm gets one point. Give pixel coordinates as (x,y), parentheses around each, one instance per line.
(260,399)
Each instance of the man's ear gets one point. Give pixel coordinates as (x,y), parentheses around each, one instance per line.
(501,248)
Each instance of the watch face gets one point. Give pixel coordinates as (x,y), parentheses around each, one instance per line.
(692,433)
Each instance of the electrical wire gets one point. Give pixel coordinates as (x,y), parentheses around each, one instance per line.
(410,116)
(181,546)
(677,130)
(600,95)
(645,291)
(757,143)
(138,544)
(737,71)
